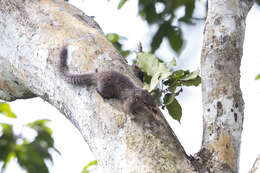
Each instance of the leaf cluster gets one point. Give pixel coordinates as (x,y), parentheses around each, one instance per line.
(163,82)
(163,14)
(31,156)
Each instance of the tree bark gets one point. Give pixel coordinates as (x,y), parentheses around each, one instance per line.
(222,98)
(32,34)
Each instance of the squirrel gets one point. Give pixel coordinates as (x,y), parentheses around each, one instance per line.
(109,84)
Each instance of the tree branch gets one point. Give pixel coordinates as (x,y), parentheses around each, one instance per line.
(223,106)
(32,34)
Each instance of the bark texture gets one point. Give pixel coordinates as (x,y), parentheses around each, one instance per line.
(222,98)
(32,34)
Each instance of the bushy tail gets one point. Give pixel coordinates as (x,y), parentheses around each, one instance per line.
(81,79)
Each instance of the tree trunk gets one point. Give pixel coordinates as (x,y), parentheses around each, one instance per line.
(222,98)
(32,35)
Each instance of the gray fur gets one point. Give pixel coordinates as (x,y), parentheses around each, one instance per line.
(109,84)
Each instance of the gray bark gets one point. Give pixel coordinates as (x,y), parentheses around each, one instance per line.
(32,34)
(222,98)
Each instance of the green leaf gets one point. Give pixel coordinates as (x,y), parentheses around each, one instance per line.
(157,78)
(168,98)
(178,74)
(157,38)
(147,11)
(116,39)
(163,70)
(189,8)
(151,65)
(155,81)
(10,155)
(121,3)
(174,36)
(113,37)
(7,129)
(124,53)
(172,88)
(148,63)
(6,110)
(257,77)
(181,77)
(175,110)
(193,82)
(30,158)
(7,144)
(43,141)
(172,33)
(40,125)
(85,170)
(191,76)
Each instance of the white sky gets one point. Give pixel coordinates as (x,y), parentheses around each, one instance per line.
(125,22)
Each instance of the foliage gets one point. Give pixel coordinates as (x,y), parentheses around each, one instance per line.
(257,77)
(161,80)
(163,14)
(116,40)
(85,170)
(121,3)
(6,110)
(31,156)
